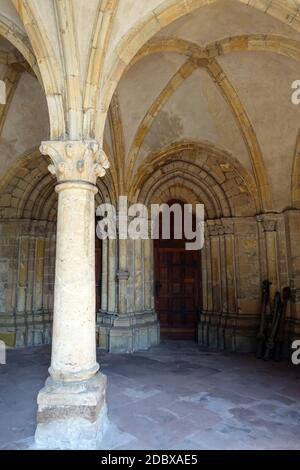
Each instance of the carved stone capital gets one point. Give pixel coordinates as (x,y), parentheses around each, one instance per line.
(40,229)
(228,228)
(270,225)
(220,229)
(213,230)
(76,160)
(27,229)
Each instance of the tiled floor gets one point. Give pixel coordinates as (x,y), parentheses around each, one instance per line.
(172,397)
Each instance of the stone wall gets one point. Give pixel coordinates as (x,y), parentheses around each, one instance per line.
(239,254)
(27,258)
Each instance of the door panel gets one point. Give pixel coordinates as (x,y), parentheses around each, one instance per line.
(178,279)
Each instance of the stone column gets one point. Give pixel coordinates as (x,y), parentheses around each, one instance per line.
(148,274)
(104,277)
(230,267)
(214,233)
(138,276)
(112,273)
(39,274)
(72,406)
(223,289)
(202,326)
(122,276)
(270,229)
(231,317)
(207,313)
(23,273)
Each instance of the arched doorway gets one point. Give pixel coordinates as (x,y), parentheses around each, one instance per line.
(178,293)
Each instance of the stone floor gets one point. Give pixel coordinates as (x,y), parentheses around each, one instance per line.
(172,397)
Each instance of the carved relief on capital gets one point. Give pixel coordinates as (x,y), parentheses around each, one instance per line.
(228,227)
(76,160)
(270,225)
(215,229)
(27,228)
(40,229)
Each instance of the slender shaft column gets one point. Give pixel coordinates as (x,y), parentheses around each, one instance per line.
(138,276)
(23,273)
(148,284)
(204,279)
(209,272)
(39,274)
(216,267)
(230,267)
(270,229)
(123,276)
(104,298)
(224,306)
(214,232)
(73,402)
(112,273)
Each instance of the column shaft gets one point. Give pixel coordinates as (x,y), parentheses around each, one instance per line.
(74,344)
(104,276)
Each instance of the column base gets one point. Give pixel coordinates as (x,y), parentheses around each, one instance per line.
(72,415)
(236,333)
(228,332)
(26,329)
(128,333)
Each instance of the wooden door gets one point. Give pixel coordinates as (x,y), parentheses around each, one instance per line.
(177,291)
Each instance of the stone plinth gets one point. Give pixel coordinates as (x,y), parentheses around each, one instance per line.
(72,415)
(128,333)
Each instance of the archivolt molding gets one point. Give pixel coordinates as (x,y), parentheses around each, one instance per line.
(187,195)
(229,189)
(15,36)
(28,190)
(166,13)
(18,166)
(180,183)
